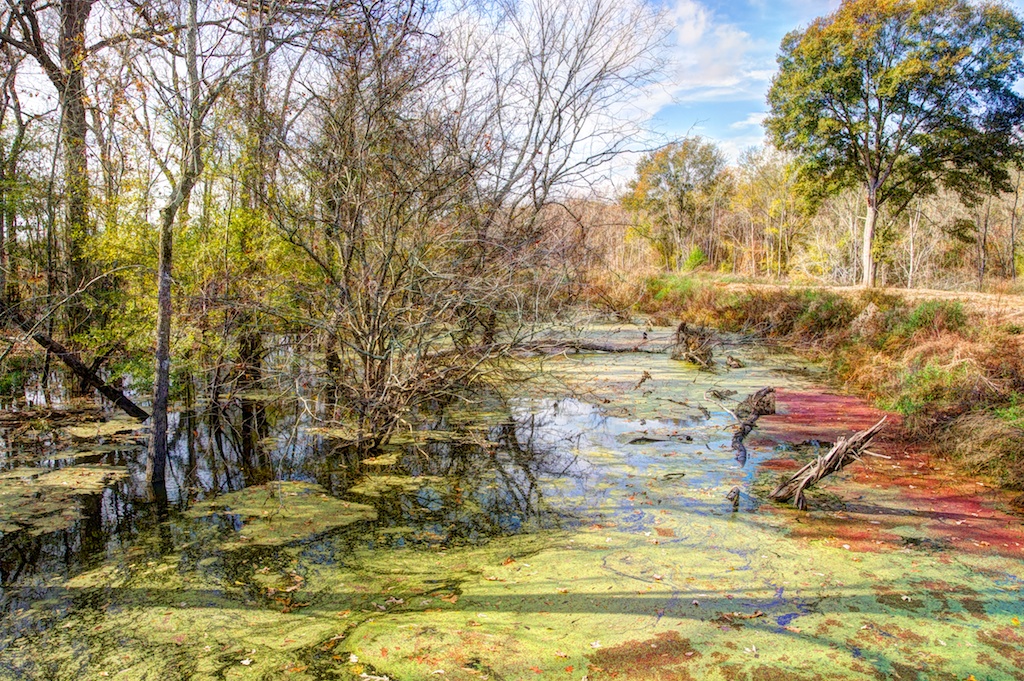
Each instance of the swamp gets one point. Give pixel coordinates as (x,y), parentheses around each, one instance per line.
(579,530)
(583,340)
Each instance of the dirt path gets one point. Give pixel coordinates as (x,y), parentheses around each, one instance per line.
(1002,307)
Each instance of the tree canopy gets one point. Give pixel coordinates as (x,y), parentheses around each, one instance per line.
(901,97)
(678,187)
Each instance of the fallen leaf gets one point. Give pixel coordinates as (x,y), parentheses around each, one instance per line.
(246,662)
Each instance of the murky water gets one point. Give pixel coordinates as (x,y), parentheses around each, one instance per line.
(562,534)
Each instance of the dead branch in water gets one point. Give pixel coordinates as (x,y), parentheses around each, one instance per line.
(761,403)
(557,346)
(845,452)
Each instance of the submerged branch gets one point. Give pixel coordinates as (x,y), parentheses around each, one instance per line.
(761,403)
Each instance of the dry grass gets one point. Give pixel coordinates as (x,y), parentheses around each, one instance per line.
(950,370)
(986,444)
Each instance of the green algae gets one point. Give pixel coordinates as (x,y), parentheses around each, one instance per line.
(283,512)
(115,426)
(377,485)
(42,501)
(652,576)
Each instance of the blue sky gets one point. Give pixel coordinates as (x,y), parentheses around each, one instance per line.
(723,59)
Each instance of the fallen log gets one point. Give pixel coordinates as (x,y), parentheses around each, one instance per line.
(845,452)
(76,365)
(556,346)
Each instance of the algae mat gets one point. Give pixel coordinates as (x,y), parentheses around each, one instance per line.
(900,571)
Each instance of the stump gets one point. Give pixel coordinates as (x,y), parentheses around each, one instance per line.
(761,403)
(693,344)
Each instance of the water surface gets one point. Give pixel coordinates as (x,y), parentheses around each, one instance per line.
(579,529)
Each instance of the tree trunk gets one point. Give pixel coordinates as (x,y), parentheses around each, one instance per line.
(868,255)
(983,245)
(156,464)
(74,127)
(1013,229)
(192,168)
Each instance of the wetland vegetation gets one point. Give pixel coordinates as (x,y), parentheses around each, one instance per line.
(330,352)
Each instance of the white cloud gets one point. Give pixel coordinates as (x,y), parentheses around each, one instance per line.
(714,59)
(753,120)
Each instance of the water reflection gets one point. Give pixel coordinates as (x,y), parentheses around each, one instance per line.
(463,476)
(479,481)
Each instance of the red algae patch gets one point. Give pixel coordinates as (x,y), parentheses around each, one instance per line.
(910,488)
(663,658)
(780,464)
(803,416)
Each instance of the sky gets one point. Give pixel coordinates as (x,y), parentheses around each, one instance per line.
(723,58)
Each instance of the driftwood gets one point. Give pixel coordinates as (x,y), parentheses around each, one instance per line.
(761,403)
(75,363)
(845,452)
(693,344)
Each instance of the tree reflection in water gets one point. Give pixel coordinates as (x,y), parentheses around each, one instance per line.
(467,483)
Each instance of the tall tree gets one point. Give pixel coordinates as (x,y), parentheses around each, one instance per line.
(901,97)
(62,57)
(679,187)
(13,130)
(208,62)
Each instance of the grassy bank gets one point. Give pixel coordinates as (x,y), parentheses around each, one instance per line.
(956,376)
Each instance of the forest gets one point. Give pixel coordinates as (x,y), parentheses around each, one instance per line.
(386,339)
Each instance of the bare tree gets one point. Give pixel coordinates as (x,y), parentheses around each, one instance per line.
(431,158)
